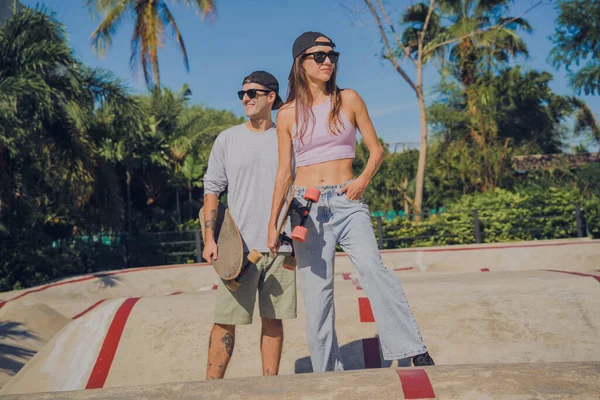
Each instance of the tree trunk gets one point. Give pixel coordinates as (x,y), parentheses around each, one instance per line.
(190,200)
(405,196)
(128,179)
(5,184)
(178,205)
(156,71)
(418,204)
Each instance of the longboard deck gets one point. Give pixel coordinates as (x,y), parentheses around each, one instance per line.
(230,255)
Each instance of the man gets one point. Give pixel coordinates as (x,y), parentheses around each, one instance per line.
(244,159)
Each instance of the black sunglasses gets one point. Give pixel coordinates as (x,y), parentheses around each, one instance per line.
(320,56)
(251,93)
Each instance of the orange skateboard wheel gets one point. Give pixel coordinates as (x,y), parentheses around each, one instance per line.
(254,256)
(312,194)
(299,233)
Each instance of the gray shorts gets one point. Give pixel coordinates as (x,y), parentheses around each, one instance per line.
(275,280)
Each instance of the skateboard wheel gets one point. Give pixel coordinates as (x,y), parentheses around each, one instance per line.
(312,194)
(299,233)
(254,256)
(233,285)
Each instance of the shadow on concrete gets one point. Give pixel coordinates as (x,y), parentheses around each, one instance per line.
(12,358)
(108,280)
(353,356)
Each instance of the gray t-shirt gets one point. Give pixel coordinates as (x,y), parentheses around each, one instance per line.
(245,162)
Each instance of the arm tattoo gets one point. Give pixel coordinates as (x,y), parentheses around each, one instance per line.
(212,220)
(228,342)
(268,372)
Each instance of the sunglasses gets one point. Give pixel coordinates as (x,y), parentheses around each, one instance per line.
(320,56)
(251,93)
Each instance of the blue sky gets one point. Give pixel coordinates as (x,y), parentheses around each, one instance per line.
(247,35)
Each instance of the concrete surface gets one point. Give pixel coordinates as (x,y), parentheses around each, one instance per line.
(478,311)
(25,327)
(504,381)
(565,254)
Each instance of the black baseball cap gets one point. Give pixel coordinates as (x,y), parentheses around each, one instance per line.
(308,40)
(267,80)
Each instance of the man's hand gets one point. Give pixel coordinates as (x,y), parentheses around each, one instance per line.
(210,252)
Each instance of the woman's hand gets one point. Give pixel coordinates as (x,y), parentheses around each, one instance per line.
(273,239)
(355,189)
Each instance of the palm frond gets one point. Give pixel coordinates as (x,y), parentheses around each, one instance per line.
(169,20)
(585,121)
(101,38)
(205,7)
(491,6)
(515,23)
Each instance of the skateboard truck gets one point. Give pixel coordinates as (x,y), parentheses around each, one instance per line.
(299,233)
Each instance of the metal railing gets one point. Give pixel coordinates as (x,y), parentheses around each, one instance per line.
(435,229)
(479,226)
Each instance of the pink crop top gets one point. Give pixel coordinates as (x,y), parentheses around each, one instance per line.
(321,145)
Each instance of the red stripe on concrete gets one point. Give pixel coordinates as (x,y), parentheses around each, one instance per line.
(403,269)
(110,345)
(215,287)
(596,277)
(371,353)
(425,250)
(415,384)
(2,303)
(485,270)
(90,308)
(88,278)
(364,307)
(346,276)
(175,293)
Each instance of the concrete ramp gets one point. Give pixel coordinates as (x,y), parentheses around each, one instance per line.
(25,327)
(484,305)
(470,318)
(541,381)
(576,255)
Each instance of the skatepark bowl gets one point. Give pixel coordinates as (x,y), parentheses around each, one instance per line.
(502,321)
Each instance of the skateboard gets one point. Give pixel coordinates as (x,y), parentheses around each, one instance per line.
(230,262)
(299,233)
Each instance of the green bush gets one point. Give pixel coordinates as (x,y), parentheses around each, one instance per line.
(32,258)
(592,214)
(503,216)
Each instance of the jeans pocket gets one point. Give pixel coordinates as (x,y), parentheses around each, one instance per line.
(359,201)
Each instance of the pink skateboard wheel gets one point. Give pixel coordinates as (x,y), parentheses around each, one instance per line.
(299,233)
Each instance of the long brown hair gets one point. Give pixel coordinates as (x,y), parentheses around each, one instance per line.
(299,92)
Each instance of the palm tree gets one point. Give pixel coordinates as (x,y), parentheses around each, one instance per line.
(48,159)
(496,42)
(151,17)
(479,39)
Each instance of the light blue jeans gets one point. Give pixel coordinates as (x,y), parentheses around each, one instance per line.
(336,219)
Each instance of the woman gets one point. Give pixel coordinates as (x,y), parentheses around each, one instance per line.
(316,128)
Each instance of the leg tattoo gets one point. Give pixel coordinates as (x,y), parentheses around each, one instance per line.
(228,342)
